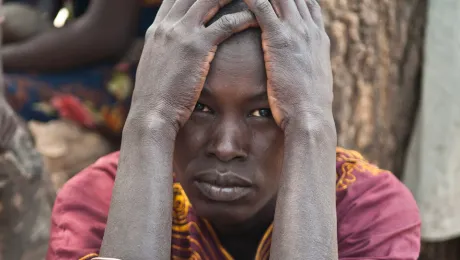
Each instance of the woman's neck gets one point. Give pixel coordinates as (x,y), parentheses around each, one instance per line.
(244,245)
(242,240)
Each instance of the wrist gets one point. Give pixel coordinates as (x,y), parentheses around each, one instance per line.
(320,126)
(152,127)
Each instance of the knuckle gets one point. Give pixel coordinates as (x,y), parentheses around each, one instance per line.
(282,39)
(315,34)
(172,33)
(156,31)
(189,45)
(227,22)
(151,31)
(262,5)
(166,31)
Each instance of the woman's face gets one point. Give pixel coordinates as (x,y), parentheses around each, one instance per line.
(228,156)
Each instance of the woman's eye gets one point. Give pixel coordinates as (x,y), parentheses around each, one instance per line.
(262,113)
(202,108)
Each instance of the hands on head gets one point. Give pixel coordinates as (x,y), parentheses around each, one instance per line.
(180,47)
(194,52)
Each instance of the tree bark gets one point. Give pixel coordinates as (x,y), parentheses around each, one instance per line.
(376,52)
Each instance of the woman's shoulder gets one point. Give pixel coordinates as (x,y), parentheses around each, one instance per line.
(357,178)
(81,209)
(376,214)
(105,168)
(353,169)
(95,182)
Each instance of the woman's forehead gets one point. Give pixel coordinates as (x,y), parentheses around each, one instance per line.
(245,77)
(237,91)
(239,56)
(238,67)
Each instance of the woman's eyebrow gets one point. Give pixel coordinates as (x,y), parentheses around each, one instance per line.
(253,97)
(260,96)
(205,92)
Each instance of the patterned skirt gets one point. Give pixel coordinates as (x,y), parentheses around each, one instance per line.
(93,97)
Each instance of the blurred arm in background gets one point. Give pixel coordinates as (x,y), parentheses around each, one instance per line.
(104,32)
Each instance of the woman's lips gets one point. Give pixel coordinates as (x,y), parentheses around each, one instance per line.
(220,193)
(223,187)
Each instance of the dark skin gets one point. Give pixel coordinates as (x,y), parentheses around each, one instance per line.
(104,32)
(262,131)
(233,131)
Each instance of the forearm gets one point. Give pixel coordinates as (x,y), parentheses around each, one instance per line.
(103,32)
(139,222)
(305,220)
(56,50)
(82,42)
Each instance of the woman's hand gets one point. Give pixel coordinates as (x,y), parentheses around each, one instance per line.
(177,56)
(171,73)
(296,49)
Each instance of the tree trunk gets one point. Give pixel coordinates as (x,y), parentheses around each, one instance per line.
(376,52)
(376,57)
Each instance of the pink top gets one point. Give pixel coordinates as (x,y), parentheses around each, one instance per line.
(377,216)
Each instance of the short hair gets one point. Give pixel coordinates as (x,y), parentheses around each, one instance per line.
(236,6)
(233,7)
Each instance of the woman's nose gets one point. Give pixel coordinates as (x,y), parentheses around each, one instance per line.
(229,142)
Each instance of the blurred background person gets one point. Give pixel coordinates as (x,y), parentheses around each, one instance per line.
(83,71)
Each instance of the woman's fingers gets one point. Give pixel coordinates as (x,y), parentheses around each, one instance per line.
(165,7)
(179,9)
(315,12)
(286,9)
(303,9)
(230,24)
(204,10)
(264,12)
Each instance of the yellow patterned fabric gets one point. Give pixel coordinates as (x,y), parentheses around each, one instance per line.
(349,163)
(194,238)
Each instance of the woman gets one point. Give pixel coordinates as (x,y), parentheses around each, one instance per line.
(244,120)
(73,72)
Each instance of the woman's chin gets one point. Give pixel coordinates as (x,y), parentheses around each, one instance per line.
(223,214)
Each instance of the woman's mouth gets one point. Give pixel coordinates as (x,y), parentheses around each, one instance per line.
(222,187)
